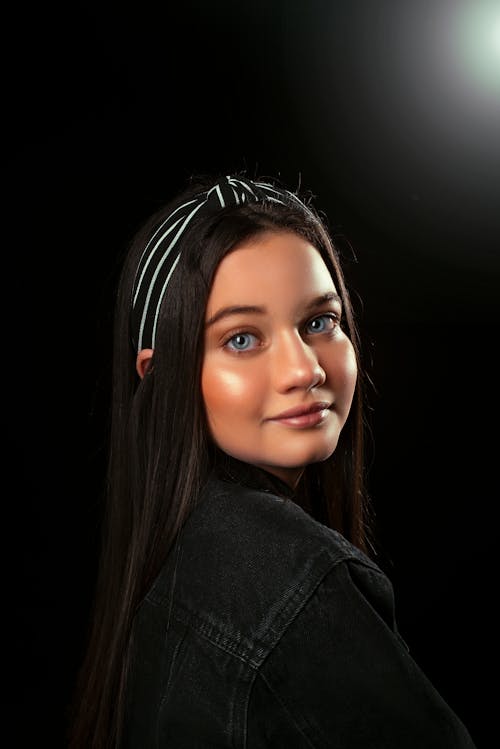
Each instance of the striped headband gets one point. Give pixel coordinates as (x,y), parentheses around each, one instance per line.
(162,253)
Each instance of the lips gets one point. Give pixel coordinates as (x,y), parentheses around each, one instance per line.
(302,411)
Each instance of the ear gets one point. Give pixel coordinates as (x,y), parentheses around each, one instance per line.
(143,361)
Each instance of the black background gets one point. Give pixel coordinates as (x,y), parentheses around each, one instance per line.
(388,112)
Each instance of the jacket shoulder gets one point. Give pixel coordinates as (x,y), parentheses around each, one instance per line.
(247,561)
(353,683)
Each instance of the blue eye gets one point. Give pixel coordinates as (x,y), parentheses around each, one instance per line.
(322,323)
(241,342)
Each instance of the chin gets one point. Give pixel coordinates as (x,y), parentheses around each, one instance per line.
(319,454)
(291,456)
(301,460)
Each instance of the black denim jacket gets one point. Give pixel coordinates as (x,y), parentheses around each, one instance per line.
(280,634)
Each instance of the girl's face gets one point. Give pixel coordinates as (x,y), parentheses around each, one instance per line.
(278,373)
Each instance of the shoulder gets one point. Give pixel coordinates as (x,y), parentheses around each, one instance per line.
(249,561)
(260,524)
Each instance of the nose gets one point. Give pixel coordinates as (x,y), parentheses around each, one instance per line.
(296,365)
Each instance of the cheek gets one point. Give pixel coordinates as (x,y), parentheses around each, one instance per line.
(351,371)
(342,371)
(224,386)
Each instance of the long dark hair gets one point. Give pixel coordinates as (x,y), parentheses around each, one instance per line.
(160,452)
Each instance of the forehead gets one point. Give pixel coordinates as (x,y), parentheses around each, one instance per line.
(270,264)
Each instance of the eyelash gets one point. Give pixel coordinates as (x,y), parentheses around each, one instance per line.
(331,316)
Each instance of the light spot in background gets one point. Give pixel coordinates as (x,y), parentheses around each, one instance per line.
(475,47)
(400,106)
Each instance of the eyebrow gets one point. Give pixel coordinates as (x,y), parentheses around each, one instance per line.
(236,309)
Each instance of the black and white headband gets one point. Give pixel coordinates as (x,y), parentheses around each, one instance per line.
(162,252)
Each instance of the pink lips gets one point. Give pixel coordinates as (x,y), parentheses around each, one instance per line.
(304,416)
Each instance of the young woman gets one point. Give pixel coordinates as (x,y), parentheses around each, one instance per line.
(239,604)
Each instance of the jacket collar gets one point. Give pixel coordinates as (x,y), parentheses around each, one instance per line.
(236,471)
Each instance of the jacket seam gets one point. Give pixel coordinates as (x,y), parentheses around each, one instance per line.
(284,706)
(211,634)
(254,652)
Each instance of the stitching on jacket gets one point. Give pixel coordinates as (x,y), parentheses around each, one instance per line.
(254,652)
(287,711)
